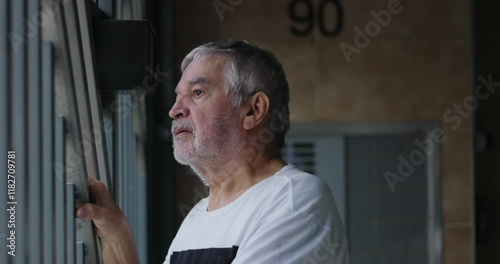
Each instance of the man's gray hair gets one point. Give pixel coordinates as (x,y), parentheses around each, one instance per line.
(248,70)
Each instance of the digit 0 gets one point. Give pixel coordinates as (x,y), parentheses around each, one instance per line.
(307,19)
(321,16)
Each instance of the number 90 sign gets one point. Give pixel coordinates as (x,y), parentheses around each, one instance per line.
(308,18)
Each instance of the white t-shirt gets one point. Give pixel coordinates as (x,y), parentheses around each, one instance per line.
(290,217)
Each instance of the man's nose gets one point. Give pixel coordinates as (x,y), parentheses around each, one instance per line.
(178,110)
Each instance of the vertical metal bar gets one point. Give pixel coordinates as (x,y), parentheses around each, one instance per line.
(119,9)
(4,129)
(123,168)
(142,222)
(132,168)
(48,154)
(119,150)
(18,119)
(34,142)
(78,84)
(99,151)
(70,221)
(75,82)
(107,117)
(80,256)
(138,9)
(141,184)
(127,173)
(60,182)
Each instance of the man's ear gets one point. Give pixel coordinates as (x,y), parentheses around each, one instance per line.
(257,109)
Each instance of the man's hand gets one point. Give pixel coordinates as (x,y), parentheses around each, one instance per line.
(117,243)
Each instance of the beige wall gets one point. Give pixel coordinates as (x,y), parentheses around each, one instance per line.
(415,69)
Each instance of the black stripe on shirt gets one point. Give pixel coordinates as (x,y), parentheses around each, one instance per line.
(204,256)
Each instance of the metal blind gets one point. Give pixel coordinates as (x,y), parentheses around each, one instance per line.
(52,135)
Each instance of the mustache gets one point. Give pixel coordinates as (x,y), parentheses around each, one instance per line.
(182,124)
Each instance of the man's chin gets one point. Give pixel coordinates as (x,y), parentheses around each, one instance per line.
(184,158)
(181,160)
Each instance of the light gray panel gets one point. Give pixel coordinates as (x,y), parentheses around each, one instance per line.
(389,221)
(330,167)
(390,210)
(418,189)
(361,201)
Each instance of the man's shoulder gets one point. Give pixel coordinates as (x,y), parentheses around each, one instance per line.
(304,184)
(300,191)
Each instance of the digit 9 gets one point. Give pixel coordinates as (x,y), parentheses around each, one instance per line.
(307,19)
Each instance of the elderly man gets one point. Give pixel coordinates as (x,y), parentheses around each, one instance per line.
(230,119)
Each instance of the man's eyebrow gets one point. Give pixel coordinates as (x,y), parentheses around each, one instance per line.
(197,80)
(200,80)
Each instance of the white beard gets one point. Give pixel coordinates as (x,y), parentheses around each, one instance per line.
(216,145)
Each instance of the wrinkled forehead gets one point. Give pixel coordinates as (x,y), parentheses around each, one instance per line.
(218,61)
(206,71)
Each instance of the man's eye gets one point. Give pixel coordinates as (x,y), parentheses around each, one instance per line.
(198,92)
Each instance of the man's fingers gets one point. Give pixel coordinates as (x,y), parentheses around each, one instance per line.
(88,211)
(100,192)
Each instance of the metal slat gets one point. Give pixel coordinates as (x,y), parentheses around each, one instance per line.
(99,150)
(107,117)
(34,142)
(70,221)
(119,194)
(123,154)
(119,9)
(80,257)
(78,83)
(75,83)
(48,154)
(132,168)
(132,172)
(142,222)
(18,122)
(60,196)
(4,120)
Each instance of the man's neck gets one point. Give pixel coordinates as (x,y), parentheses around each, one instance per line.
(227,183)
